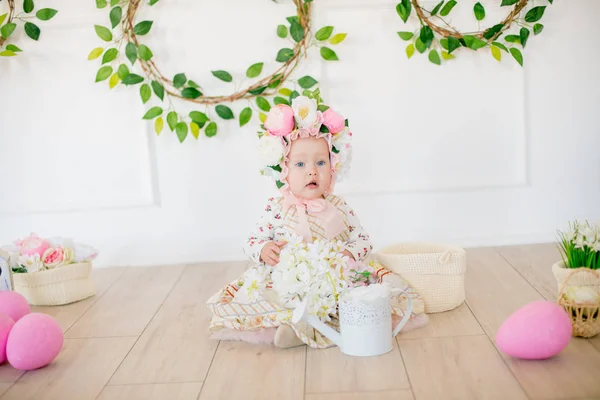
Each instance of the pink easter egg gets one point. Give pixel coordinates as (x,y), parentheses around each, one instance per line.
(6,324)
(14,304)
(537,331)
(34,342)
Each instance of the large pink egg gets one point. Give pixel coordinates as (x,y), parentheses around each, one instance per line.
(14,304)
(537,331)
(6,324)
(34,342)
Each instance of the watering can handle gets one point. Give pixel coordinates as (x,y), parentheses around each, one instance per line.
(407,313)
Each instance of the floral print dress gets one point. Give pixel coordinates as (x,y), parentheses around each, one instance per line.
(232,308)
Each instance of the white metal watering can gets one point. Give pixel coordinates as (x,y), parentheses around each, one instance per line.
(365,316)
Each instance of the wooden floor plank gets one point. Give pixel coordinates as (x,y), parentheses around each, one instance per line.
(395,395)
(494,291)
(160,391)
(465,367)
(175,347)
(4,387)
(129,305)
(457,322)
(255,372)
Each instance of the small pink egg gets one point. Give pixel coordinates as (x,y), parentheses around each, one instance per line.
(14,304)
(34,342)
(6,324)
(537,331)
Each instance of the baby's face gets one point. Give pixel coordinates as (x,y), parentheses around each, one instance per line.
(309,168)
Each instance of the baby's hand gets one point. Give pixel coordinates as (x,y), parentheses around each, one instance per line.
(270,252)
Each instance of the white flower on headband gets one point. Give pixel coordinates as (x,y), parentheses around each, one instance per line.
(343,165)
(270,150)
(341,139)
(305,111)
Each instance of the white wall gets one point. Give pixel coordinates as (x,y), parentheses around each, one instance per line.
(508,156)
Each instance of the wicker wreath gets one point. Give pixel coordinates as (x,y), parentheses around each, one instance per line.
(182,88)
(8,24)
(450,39)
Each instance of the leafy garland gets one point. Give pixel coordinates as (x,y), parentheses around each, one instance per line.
(150,80)
(449,39)
(31,29)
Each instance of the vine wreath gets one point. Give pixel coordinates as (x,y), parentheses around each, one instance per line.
(450,39)
(31,29)
(151,80)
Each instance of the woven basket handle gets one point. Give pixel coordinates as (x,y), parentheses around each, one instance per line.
(573,273)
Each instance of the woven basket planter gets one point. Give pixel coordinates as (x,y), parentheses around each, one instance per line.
(59,286)
(436,271)
(585,316)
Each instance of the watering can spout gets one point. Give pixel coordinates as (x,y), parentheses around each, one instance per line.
(301,314)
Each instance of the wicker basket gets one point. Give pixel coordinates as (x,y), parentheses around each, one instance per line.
(59,286)
(436,271)
(585,316)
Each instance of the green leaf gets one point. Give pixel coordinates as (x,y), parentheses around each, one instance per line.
(8,29)
(263,104)
(426,36)
(322,107)
(328,54)
(152,2)
(46,14)
(123,71)
(294,95)
(447,56)
(513,38)
(199,117)
(28,6)
(113,81)
(254,70)
(420,46)
(296,31)
(131,52)
(97,52)
(444,43)
(473,42)
(172,119)
(537,29)
(535,14)
(493,31)
(275,81)
(110,55)
(182,131)
(190,93)
(3,17)
(153,113)
(496,53)
(211,130)
(293,19)
(179,80)
(282,31)
(101,3)
(517,55)
(284,55)
(285,92)
(434,57)
(453,44)
(158,89)
(406,35)
(145,93)
(479,11)
(437,8)
(508,2)
(404,8)
(245,116)
(338,38)
(258,91)
(223,75)
(132,79)
(114,2)
(324,33)
(115,16)
(410,50)
(195,129)
(7,53)
(103,73)
(159,123)
(280,100)
(500,46)
(32,30)
(306,82)
(524,35)
(193,84)
(144,52)
(12,47)
(447,8)
(142,28)
(224,112)
(103,33)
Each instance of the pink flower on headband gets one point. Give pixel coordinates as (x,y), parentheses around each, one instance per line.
(280,121)
(333,121)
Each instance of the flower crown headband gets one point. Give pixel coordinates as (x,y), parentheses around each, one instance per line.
(304,118)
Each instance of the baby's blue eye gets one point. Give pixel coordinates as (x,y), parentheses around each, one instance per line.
(300,164)
(321,163)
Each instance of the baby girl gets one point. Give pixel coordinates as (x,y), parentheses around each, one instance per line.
(306,149)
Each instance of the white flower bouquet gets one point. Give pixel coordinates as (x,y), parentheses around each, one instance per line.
(580,245)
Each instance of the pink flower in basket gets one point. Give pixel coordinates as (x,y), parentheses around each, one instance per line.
(31,245)
(55,257)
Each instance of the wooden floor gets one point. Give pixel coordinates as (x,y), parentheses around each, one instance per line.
(144,337)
